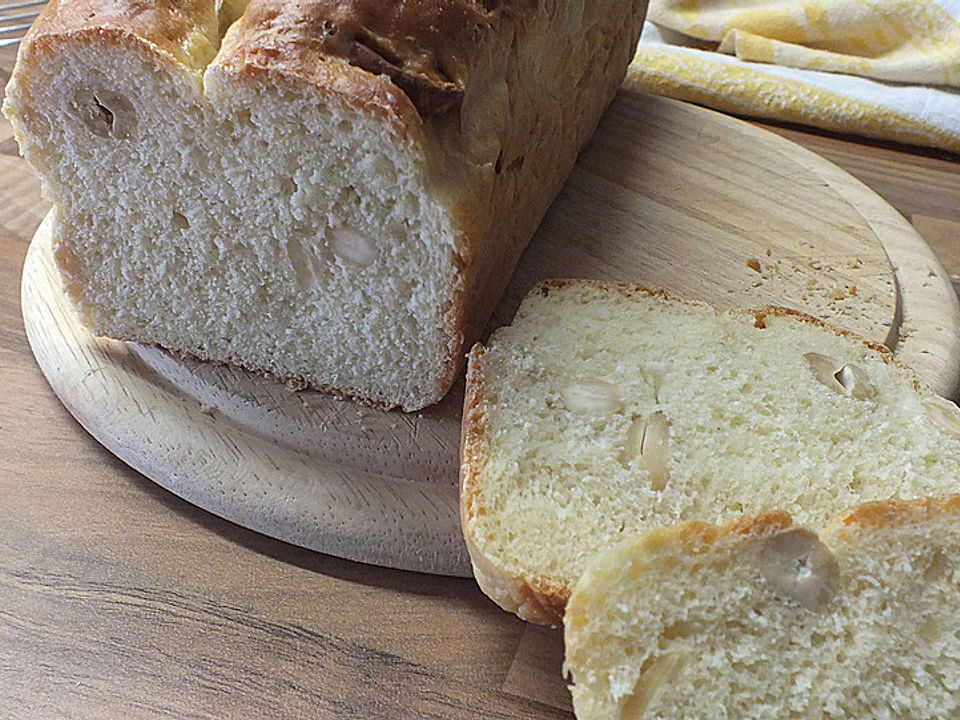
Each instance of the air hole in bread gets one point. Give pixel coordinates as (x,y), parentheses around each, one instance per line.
(348,196)
(288,187)
(938,568)
(104,113)
(413,204)
(516,164)
(244,118)
(679,629)
(933,628)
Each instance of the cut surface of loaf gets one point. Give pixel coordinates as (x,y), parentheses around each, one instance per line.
(334,193)
(762,619)
(604,410)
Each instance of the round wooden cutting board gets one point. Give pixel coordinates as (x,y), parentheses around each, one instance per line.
(667,194)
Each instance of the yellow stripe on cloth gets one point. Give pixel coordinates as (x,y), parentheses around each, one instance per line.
(745,90)
(907,41)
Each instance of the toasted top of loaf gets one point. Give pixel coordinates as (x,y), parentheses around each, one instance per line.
(761,619)
(426,47)
(609,409)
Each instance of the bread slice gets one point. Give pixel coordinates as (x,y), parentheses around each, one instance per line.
(335,193)
(605,410)
(761,619)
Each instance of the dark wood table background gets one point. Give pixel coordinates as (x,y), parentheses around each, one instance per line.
(118,600)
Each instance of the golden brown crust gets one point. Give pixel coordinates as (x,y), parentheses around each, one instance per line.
(535,599)
(425,47)
(892,512)
(689,538)
(171,27)
(695,538)
(420,46)
(276,40)
(777,311)
(628,290)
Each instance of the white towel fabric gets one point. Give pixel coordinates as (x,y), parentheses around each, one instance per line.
(887,69)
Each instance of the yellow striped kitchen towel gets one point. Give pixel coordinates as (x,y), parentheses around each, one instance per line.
(887,69)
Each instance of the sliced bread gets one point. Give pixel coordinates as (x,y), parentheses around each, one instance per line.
(760,619)
(606,409)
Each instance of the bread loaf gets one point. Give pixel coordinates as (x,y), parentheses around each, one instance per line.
(334,193)
(761,619)
(605,410)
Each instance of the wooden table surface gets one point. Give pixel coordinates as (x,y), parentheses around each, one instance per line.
(118,600)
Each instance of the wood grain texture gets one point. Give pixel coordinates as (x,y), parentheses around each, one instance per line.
(913,180)
(534,672)
(118,600)
(943,237)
